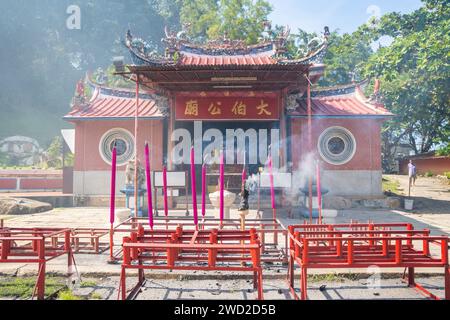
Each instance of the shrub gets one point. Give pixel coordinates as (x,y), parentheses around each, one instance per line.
(428,174)
(447,174)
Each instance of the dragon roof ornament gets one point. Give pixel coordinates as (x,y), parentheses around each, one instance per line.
(177,45)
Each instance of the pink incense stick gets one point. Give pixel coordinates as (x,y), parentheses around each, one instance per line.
(244,172)
(149,186)
(194,187)
(272,189)
(204,189)
(319,192)
(112,206)
(221,186)
(166,205)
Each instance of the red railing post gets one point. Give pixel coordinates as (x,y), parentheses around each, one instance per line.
(68,250)
(447,282)
(40,245)
(296,245)
(305,253)
(409,242)
(34,243)
(170,258)
(349,252)
(212,252)
(126,251)
(398,251)
(385,246)
(134,251)
(371,228)
(330,228)
(6,244)
(444,250)
(140,231)
(339,245)
(291,234)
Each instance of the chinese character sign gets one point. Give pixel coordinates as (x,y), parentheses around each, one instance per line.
(227,108)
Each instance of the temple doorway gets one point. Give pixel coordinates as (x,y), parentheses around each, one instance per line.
(254,153)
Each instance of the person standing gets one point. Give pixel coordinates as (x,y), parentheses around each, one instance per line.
(412,173)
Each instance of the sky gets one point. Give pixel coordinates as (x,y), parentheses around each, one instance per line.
(345,15)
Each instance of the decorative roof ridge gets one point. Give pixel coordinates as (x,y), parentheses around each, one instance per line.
(118,92)
(142,53)
(315,57)
(370,103)
(179,42)
(101,92)
(178,45)
(227,48)
(336,91)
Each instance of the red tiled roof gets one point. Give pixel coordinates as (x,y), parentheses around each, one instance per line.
(348,105)
(210,60)
(109,107)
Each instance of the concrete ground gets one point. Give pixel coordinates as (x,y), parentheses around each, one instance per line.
(215,285)
(274,289)
(430,195)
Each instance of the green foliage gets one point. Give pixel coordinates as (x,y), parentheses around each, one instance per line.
(237,19)
(87,284)
(4,159)
(54,153)
(345,55)
(390,185)
(428,174)
(22,287)
(41,60)
(447,174)
(96,296)
(113,80)
(443,151)
(68,295)
(414,72)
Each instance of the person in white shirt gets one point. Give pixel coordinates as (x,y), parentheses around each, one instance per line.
(412,172)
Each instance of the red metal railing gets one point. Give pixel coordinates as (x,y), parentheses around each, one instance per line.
(178,249)
(36,246)
(267,230)
(362,246)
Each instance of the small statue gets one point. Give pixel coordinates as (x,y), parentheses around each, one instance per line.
(101,77)
(243,205)
(80,89)
(79,98)
(130,171)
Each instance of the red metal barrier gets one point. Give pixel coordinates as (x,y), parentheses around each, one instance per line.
(36,246)
(267,230)
(362,246)
(83,240)
(88,240)
(179,249)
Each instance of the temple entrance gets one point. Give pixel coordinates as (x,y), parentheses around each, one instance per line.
(244,134)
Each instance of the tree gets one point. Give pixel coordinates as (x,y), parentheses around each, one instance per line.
(41,59)
(235,19)
(345,56)
(414,72)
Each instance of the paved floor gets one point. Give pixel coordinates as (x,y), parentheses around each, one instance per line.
(274,289)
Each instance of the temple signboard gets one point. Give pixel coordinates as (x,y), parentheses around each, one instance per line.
(227,106)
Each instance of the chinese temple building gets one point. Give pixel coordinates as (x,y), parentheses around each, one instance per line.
(198,92)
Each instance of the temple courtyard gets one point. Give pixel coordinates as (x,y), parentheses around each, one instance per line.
(95,278)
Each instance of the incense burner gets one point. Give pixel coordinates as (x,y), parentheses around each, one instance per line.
(228,197)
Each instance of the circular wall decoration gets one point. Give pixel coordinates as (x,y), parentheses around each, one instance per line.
(124,144)
(336,145)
